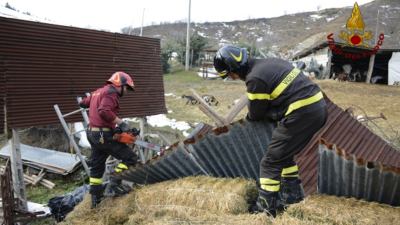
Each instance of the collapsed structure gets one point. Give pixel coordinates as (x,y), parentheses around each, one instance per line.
(235,151)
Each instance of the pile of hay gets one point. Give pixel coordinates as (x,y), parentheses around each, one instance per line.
(200,200)
(324,209)
(208,200)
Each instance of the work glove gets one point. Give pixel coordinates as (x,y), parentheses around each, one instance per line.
(124,127)
(124,137)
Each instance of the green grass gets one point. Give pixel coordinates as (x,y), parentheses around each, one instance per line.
(42,195)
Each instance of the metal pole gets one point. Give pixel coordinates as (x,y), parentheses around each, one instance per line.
(188,40)
(84,114)
(142,121)
(141,28)
(17,170)
(78,151)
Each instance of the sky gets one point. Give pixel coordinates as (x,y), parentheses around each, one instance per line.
(113,15)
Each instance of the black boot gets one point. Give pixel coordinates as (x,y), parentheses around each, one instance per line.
(115,188)
(96,192)
(291,191)
(267,202)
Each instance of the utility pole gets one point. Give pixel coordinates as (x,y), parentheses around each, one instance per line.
(141,28)
(188,40)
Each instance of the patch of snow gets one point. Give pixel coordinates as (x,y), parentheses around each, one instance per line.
(202,34)
(83,141)
(307,28)
(170,111)
(224,41)
(269,32)
(385,6)
(225,25)
(316,16)
(329,19)
(161,120)
(219,33)
(169,95)
(294,22)
(259,39)
(252,28)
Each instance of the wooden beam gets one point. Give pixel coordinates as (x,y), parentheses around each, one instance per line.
(17,170)
(236,109)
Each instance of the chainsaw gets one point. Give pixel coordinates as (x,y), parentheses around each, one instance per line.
(130,138)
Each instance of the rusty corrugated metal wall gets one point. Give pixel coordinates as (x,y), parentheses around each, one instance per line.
(351,137)
(46,64)
(342,175)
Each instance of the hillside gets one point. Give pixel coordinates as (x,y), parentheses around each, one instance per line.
(290,33)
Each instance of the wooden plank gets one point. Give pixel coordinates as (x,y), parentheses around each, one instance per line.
(218,123)
(17,170)
(236,109)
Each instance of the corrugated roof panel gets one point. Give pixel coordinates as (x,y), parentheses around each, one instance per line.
(44,64)
(231,151)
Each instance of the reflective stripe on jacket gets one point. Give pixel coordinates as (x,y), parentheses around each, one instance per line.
(275,89)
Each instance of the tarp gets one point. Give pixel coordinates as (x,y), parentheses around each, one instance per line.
(394,69)
(53,161)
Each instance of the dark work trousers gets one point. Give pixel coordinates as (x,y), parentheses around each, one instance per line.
(100,152)
(290,136)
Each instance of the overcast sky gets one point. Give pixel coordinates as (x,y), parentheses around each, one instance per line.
(113,15)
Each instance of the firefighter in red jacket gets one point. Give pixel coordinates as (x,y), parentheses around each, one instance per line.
(103,107)
(280,93)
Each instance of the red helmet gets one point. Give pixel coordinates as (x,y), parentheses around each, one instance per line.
(120,79)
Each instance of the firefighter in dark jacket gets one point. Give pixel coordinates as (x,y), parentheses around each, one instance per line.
(103,107)
(280,93)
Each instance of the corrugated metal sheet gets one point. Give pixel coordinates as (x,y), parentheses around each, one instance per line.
(348,177)
(53,161)
(48,64)
(351,137)
(231,151)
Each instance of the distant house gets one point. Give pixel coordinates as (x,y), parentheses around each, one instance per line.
(340,61)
